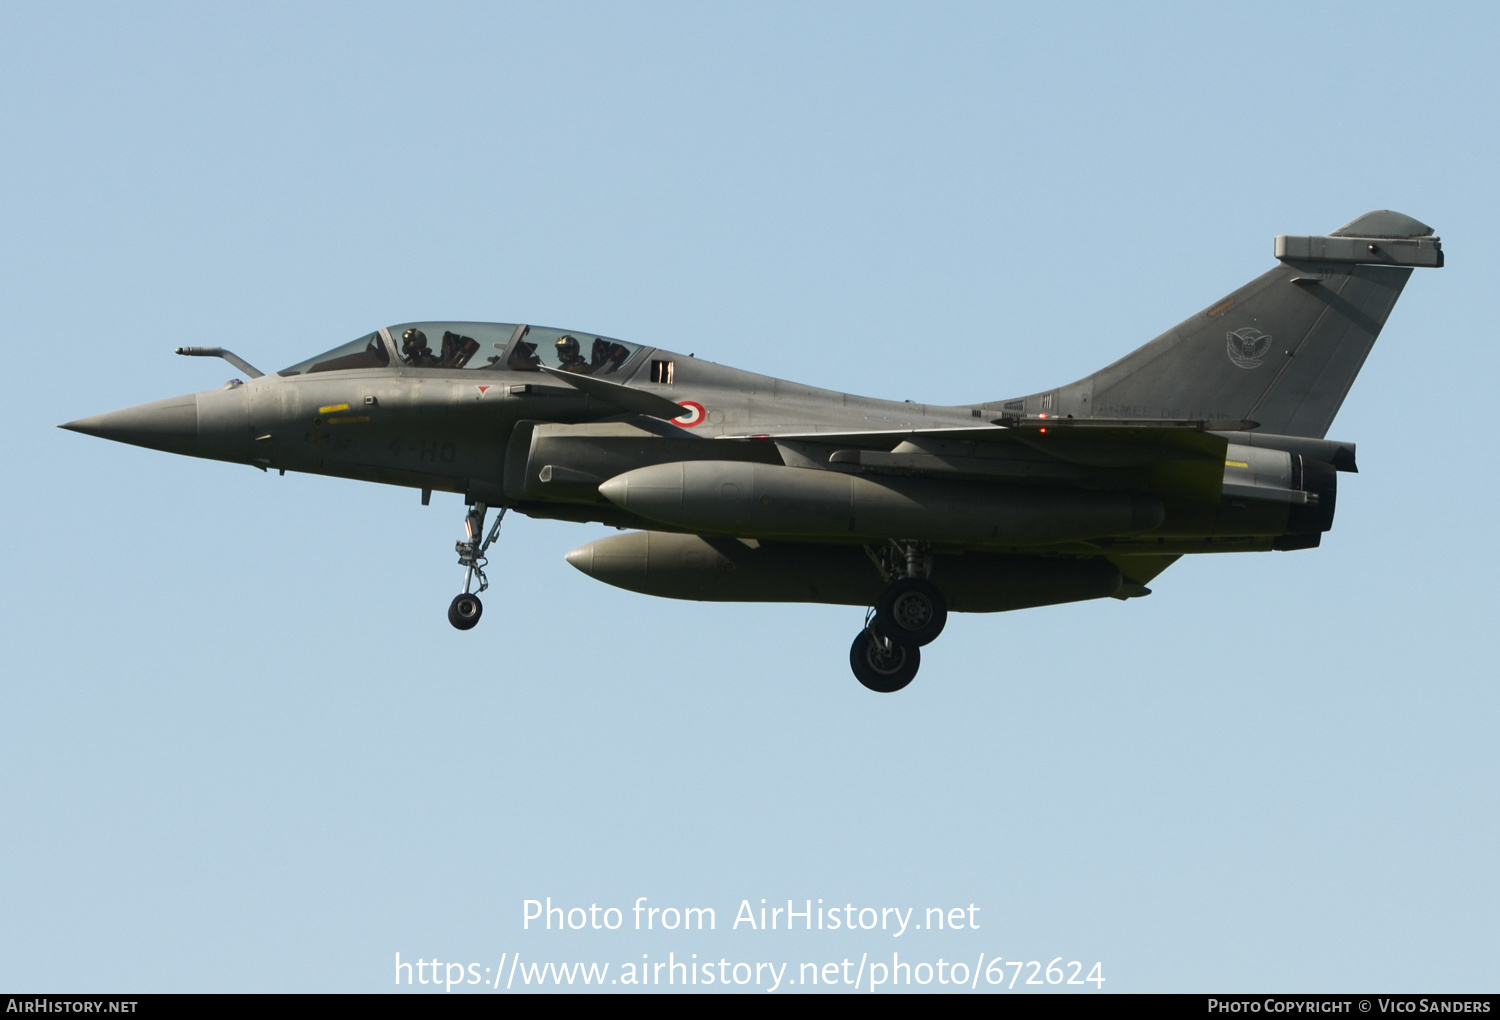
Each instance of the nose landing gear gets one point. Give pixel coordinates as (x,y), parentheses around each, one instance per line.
(911,612)
(465,609)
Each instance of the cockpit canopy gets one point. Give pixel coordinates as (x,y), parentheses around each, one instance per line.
(475,345)
(366,352)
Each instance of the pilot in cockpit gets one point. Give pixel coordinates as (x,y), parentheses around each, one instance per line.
(569,357)
(414,349)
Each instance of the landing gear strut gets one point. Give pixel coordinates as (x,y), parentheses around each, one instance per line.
(911,612)
(465,609)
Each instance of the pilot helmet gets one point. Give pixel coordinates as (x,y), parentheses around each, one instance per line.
(413,342)
(567,348)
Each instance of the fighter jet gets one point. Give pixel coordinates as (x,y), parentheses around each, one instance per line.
(730,486)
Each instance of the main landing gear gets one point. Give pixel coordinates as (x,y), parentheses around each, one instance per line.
(911,612)
(464,610)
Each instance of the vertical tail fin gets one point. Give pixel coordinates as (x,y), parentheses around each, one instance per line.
(1282,350)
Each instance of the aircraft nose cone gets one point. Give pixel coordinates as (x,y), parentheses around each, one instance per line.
(170,425)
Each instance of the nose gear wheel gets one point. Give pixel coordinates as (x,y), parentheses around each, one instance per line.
(464,611)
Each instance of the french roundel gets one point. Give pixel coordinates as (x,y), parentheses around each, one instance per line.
(694,416)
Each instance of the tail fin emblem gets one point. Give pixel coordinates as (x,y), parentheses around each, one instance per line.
(1248,346)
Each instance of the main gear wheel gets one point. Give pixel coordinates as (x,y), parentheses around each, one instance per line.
(882,664)
(912,611)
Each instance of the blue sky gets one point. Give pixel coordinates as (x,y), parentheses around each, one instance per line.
(240,747)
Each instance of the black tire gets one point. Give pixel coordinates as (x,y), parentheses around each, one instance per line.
(881,670)
(913,611)
(464,611)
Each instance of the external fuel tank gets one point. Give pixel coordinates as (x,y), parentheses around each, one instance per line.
(751,500)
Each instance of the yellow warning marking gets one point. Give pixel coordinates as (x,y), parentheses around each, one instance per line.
(1235,463)
(351,420)
(1220,308)
(331,408)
